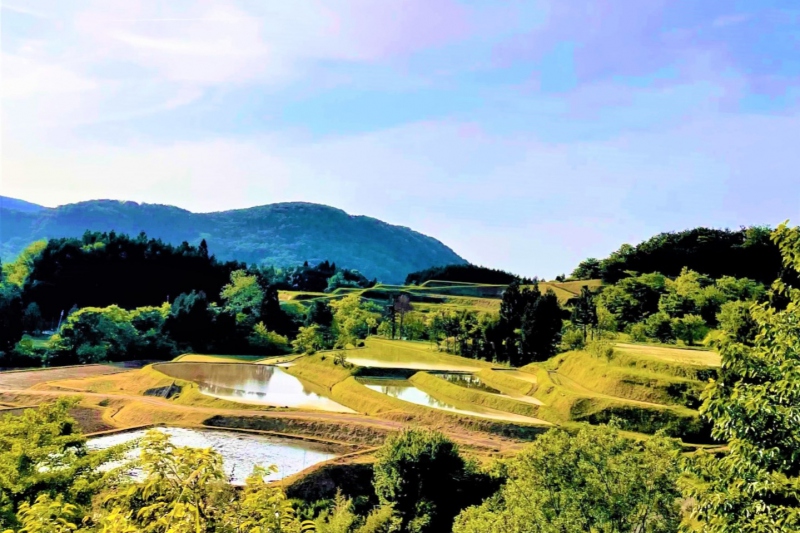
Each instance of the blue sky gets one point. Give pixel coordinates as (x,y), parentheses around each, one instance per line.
(526,135)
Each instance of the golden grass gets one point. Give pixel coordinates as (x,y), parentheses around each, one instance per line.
(675,355)
(400,354)
(508,381)
(626,383)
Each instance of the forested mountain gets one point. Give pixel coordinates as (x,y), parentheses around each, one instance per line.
(283,234)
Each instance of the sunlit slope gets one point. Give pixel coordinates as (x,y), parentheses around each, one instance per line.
(645,387)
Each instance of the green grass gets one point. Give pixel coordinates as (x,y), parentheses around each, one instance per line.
(398,352)
(445,391)
(627,382)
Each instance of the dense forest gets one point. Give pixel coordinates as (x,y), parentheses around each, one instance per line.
(461,273)
(744,253)
(284,234)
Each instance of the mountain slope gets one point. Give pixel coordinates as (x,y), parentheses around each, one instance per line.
(280,234)
(19,205)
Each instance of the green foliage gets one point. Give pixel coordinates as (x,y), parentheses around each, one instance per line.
(421,474)
(743,253)
(268,341)
(689,328)
(93,335)
(308,340)
(755,407)
(572,339)
(601,348)
(659,326)
(104,269)
(185,490)
(243,296)
(353,319)
(596,480)
(530,325)
(45,467)
(734,317)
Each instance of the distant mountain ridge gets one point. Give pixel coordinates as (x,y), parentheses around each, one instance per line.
(282,234)
(19,205)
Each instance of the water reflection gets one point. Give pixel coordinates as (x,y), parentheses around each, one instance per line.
(240,451)
(250,383)
(470,381)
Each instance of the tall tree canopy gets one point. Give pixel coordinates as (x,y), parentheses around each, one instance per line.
(103,269)
(743,253)
(755,408)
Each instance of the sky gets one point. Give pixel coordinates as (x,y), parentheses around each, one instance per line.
(526,135)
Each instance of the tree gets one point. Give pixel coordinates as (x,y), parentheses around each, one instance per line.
(402,306)
(690,328)
(596,480)
(584,311)
(32,318)
(734,317)
(43,453)
(185,490)
(421,474)
(530,324)
(659,326)
(754,407)
(541,327)
(309,340)
(11,327)
(353,319)
(243,297)
(269,341)
(588,269)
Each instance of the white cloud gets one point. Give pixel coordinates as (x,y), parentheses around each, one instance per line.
(578,198)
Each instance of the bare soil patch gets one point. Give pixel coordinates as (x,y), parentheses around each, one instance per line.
(29,378)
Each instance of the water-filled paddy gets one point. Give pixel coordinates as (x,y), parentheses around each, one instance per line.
(469,381)
(251,383)
(240,451)
(406,391)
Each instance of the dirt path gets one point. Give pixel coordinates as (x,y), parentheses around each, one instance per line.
(460,435)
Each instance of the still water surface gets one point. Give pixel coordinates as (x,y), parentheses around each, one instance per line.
(251,383)
(240,451)
(406,391)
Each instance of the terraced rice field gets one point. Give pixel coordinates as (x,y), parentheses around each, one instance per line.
(29,378)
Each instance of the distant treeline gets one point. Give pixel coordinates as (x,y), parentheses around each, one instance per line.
(465,274)
(744,253)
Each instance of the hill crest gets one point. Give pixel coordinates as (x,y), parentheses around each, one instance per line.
(280,234)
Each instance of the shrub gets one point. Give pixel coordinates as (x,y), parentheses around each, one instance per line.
(601,348)
(572,340)
(639,332)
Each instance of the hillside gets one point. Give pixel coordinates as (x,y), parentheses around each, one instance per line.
(282,234)
(19,205)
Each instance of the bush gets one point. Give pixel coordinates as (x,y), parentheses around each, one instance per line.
(601,348)
(421,474)
(659,326)
(639,332)
(572,340)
